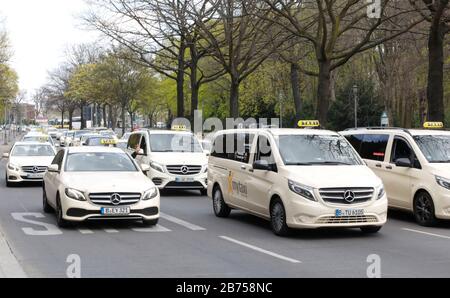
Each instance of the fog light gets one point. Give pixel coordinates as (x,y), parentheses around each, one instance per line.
(306,219)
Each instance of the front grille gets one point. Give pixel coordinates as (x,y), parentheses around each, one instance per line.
(157,181)
(337,195)
(347,219)
(184,170)
(104,199)
(34,169)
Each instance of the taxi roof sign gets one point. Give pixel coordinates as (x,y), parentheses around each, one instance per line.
(179,127)
(433,125)
(108,142)
(308,123)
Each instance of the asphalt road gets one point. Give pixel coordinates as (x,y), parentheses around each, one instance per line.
(191,242)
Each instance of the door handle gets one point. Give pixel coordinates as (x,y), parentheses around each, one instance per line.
(389,167)
(243,168)
(378,165)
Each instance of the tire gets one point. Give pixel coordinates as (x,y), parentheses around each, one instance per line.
(150,223)
(60,221)
(204,192)
(370,230)
(278,219)
(8,184)
(45,206)
(424,211)
(221,209)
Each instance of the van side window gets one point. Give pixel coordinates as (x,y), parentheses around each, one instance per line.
(401,149)
(356,141)
(243,144)
(134,140)
(219,146)
(143,145)
(374,147)
(264,151)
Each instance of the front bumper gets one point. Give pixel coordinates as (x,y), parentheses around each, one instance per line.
(20,176)
(442,204)
(170,181)
(304,214)
(78,211)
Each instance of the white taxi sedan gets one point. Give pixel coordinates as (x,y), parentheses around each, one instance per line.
(28,162)
(98,183)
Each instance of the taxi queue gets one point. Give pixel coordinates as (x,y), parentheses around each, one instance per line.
(295,178)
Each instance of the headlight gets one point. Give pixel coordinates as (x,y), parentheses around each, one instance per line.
(381,192)
(75,194)
(443,182)
(13,167)
(150,194)
(302,190)
(158,167)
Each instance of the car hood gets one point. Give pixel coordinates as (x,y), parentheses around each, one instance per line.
(180,158)
(333,176)
(42,161)
(441,169)
(108,182)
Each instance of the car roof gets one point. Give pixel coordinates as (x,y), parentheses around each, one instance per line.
(35,134)
(283,131)
(31,143)
(161,132)
(99,149)
(412,132)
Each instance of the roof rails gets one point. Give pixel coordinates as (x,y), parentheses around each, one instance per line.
(380,128)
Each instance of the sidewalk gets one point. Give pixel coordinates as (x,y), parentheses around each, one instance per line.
(5,148)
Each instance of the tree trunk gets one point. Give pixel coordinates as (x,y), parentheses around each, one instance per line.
(131,120)
(436,72)
(62,118)
(105,122)
(324,91)
(111,123)
(71,119)
(295,83)
(180,81)
(195,88)
(124,120)
(234,98)
(83,120)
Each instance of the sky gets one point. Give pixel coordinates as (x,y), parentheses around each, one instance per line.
(40,31)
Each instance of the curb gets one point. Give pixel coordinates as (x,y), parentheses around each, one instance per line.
(9,265)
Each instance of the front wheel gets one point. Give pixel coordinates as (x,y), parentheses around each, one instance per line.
(45,206)
(150,223)
(278,219)
(60,221)
(424,210)
(8,184)
(221,209)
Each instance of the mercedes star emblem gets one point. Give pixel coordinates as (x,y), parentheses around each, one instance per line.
(116,199)
(349,196)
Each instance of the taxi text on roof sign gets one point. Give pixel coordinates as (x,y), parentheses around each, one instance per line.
(433,125)
(108,142)
(179,127)
(308,123)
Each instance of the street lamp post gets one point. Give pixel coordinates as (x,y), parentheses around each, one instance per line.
(355,95)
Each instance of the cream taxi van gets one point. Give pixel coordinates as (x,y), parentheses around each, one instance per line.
(414,165)
(296,178)
(176,158)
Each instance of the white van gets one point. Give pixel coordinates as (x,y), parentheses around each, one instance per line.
(296,178)
(176,158)
(414,165)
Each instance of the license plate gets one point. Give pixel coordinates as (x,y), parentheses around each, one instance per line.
(35,176)
(184,179)
(116,211)
(349,212)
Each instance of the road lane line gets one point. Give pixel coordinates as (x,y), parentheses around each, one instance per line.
(85,231)
(426,233)
(181,222)
(275,255)
(155,229)
(111,231)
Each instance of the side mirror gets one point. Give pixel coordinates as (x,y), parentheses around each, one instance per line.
(145,168)
(53,169)
(404,163)
(5,155)
(262,165)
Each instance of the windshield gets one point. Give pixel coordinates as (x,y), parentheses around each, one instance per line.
(100,162)
(78,134)
(33,150)
(435,148)
(317,150)
(174,143)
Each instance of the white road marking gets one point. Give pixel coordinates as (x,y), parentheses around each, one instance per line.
(181,222)
(426,233)
(275,255)
(155,229)
(86,231)
(111,231)
(49,229)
